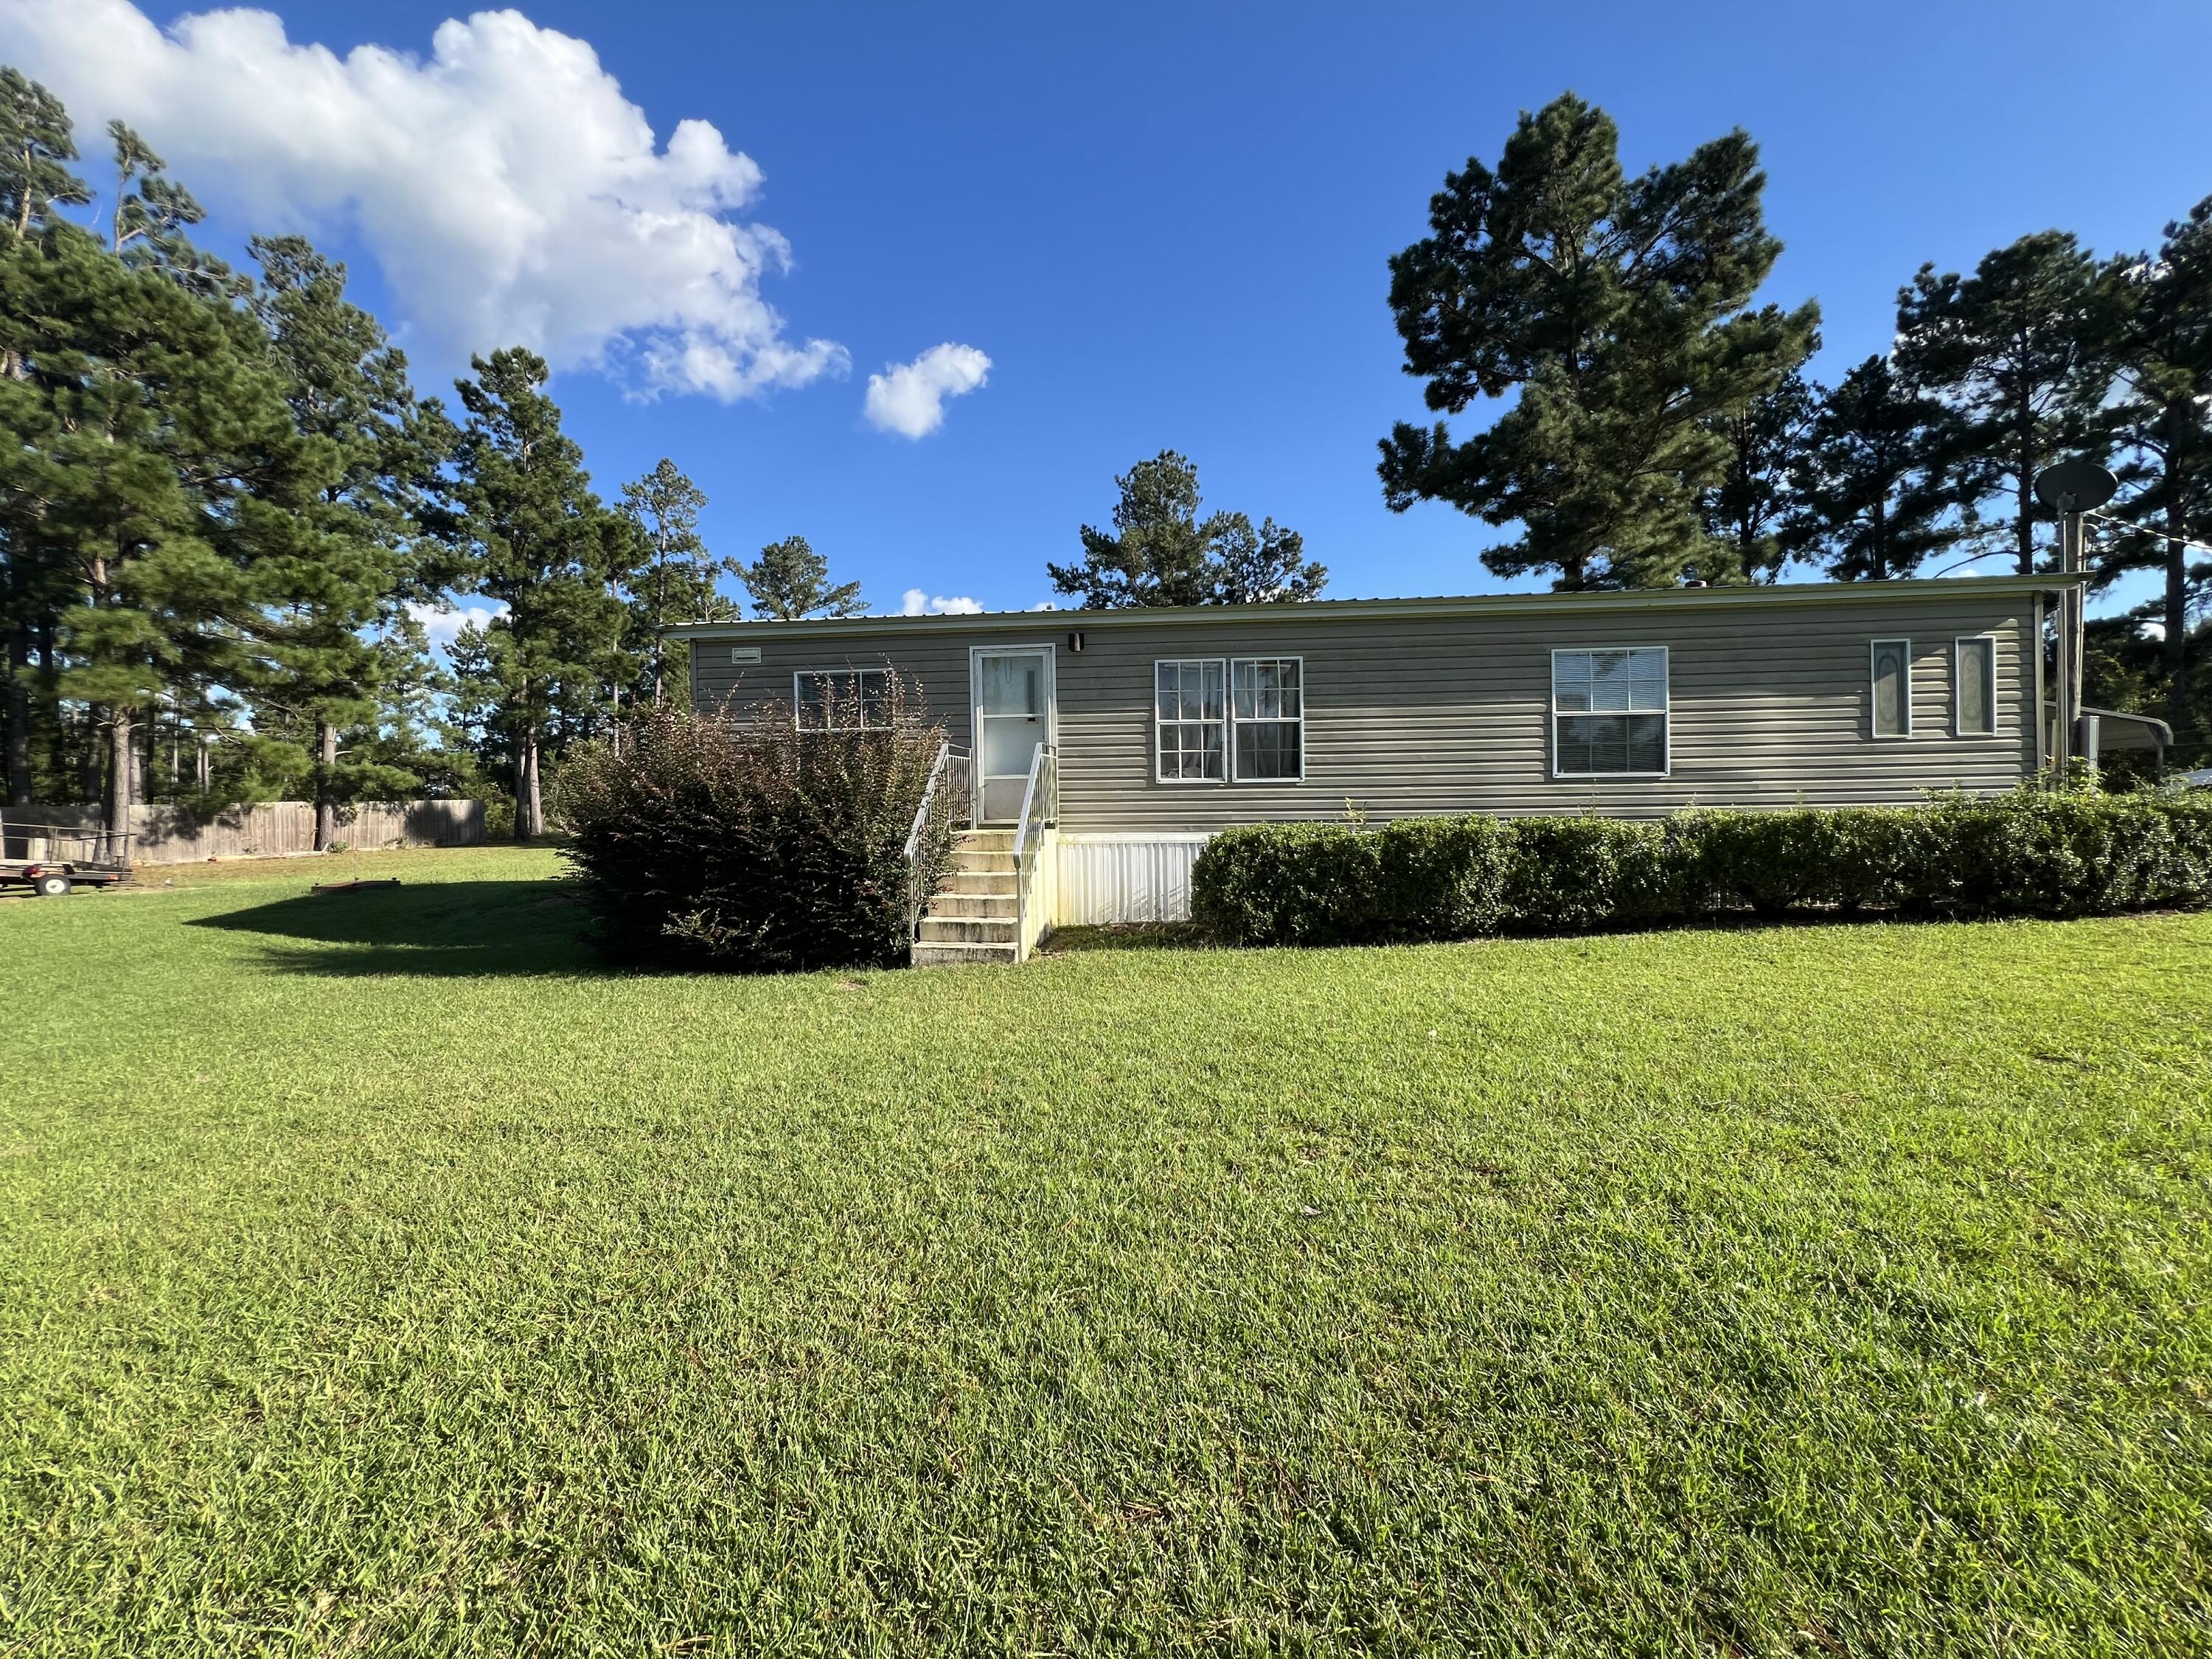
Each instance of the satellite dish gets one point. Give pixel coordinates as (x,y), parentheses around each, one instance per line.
(2075,487)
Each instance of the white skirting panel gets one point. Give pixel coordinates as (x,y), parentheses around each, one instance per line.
(1124,879)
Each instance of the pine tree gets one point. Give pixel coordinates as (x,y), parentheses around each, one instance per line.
(1266,565)
(1874,496)
(1747,515)
(1160,552)
(531,535)
(2016,350)
(150,459)
(410,740)
(2160,421)
(149,224)
(346,582)
(676,575)
(790,580)
(1615,308)
(36,147)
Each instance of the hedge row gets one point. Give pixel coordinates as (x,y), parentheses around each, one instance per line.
(2033,853)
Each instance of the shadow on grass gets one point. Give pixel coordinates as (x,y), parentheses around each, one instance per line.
(437,928)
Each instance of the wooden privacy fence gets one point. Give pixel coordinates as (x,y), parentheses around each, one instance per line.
(163,834)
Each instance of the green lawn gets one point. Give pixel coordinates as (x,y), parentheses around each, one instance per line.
(377,1276)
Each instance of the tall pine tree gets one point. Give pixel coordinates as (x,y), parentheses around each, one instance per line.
(2160,421)
(675,575)
(150,460)
(1615,308)
(533,536)
(1160,552)
(2016,350)
(36,147)
(790,580)
(1874,496)
(149,223)
(323,659)
(1747,514)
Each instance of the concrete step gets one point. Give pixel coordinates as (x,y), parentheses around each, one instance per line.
(987,840)
(996,884)
(963,956)
(968,930)
(973,862)
(974,904)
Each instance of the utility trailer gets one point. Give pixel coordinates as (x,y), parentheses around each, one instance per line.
(50,859)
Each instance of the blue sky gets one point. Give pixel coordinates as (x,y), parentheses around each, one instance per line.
(1166,226)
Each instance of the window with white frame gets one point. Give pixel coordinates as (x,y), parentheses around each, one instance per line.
(1266,712)
(1890,708)
(842,699)
(1974,686)
(1190,719)
(1609,711)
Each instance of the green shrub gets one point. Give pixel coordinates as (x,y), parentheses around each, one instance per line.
(1442,878)
(707,843)
(1563,875)
(1292,884)
(1846,858)
(2033,852)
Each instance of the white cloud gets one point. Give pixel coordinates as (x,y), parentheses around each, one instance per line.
(908,398)
(918,602)
(442,622)
(507,190)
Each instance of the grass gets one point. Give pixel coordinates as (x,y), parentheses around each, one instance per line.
(378,1276)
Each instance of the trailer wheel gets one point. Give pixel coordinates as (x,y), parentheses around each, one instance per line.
(53,886)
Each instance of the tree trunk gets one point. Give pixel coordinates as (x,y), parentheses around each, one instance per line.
(19,715)
(521,787)
(326,764)
(92,760)
(537,798)
(122,754)
(2176,653)
(2026,528)
(659,621)
(58,732)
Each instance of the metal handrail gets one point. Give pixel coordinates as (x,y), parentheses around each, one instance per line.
(937,799)
(928,794)
(1040,807)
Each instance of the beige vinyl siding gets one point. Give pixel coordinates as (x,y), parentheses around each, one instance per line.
(1429,714)
(937,664)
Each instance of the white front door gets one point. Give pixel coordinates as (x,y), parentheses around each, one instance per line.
(1013,709)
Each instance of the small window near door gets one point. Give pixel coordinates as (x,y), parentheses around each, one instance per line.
(1266,712)
(1609,713)
(1974,687)
(1890,712)
(1190,720)
(842,699)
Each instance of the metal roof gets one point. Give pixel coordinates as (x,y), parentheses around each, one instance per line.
(1475,604)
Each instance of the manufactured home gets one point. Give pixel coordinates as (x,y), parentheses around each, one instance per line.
(1126,737)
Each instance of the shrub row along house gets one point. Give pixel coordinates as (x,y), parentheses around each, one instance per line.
(1135,735)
